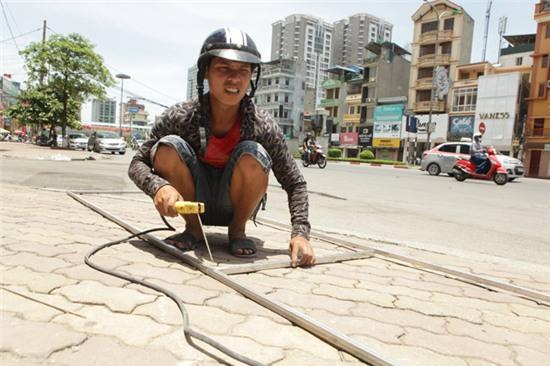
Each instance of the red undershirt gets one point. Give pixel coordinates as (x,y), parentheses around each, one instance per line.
(219,149)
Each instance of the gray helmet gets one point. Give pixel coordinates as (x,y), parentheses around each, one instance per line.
(477,136)
(230,44)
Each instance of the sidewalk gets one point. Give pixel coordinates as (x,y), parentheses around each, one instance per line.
(56,310)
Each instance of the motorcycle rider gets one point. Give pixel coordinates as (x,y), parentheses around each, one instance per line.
(308,145)
(478,155)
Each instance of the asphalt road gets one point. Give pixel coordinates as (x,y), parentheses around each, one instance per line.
(405,206)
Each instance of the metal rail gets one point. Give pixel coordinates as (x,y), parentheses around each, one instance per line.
(327,334)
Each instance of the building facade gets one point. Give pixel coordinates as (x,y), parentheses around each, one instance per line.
(136,118)
(519,50)
(9,90)
(192,82)
(306,39)
(351,35)
(281,91)
(442,37)
(537,132)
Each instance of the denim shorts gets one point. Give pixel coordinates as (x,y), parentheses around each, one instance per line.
(211,183)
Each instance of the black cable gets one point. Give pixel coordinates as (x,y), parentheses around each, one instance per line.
(187,331)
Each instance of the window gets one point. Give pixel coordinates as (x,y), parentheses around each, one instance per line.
(449,24)
(428,49)
(425,72)
(428,27)
(542,89)
(286,98)
(446,48)
(277,81)
(544,62)
(351,109)
(547,31)
(450,148)
(465,100)
(464,149)
(285,114)
(538,127)
(269,98)
(287,82)
(519,61)
(276,97)
(423,95)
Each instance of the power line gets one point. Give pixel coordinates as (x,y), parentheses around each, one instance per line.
(21,35)
(8,24)
(12,17)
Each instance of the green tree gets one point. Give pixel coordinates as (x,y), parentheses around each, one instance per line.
(74,72)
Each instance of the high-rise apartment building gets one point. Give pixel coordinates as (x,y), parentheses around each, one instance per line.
(192,82)
(351,35)
(306,39)
(104,111)
(537,132)
(442,36)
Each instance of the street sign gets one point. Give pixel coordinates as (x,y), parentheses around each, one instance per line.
(482,127)
(133,109)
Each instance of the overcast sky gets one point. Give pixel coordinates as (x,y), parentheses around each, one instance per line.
(155,42)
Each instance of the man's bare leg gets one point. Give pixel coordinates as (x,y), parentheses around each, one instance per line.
(169,166)
(248,186)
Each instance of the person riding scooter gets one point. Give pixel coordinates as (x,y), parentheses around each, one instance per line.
(478,155)
(308,145)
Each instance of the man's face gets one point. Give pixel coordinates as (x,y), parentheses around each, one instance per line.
(228,80)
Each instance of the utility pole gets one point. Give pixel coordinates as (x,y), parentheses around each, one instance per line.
(487,17)
(501,31)
(44,33)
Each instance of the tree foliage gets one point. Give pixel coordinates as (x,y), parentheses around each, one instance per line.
(62,73)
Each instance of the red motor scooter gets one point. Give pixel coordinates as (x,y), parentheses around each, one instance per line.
(464,169)
(316,157)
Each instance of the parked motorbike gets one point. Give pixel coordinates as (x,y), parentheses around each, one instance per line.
(464,169)
(316,157)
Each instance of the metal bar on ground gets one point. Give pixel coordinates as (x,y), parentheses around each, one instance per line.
(285,263)
(327,334)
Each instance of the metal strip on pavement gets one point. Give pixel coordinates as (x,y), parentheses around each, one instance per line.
(327,334)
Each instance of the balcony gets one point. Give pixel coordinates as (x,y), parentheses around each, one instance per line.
(430,37)
(529,130)
(370,80)
(329,103)
(367,100)
(424,83)
(437,106)
(352,118)
(353,98)
(331,84)
(431,59)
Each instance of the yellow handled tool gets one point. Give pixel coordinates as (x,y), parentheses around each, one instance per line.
(190,208)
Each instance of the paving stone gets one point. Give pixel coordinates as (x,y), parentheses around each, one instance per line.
(359,276)
(529,357)
(141,270)
(30,260)
(9,359)
(26,308)
(253,350)
(269,333)
(394,290)
(38,248)
(472,303)
(499,335)
(113,352)
(458,346)
(407,318)
(532,311)
(449,289)
(46,337)
(438,309)
(322,278)
(493,296)
(84,272)
(116,299)
(410,356)
(131,329)
(188,294)
(353,325)
(175,343)
(280,283)
(35,281)
(236,303)
(208,283)
(522,324)
(308,301)
(382,298)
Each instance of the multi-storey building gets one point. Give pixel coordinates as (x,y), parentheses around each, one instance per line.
(351,35)
(281,92)
(192,82)
(9,90)
(442,37)
(519,50)
(136,117)
(537,132)
(306,39)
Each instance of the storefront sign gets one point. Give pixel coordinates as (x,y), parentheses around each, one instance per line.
(388,143)
(349,138)
(365,138)
(461,126)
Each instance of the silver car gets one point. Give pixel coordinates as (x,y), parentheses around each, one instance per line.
(442,158)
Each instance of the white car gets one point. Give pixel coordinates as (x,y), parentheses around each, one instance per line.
(78,141)
(106,142)
(442,158)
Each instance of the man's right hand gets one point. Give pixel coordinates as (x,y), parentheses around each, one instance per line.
(165,200)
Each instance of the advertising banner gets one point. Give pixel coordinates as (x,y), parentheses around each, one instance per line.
(387,125)
(349,138)
(365,137)
(439,127)
(461,126)
(496,109)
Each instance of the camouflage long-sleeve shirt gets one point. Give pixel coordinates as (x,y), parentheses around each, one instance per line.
(257,125)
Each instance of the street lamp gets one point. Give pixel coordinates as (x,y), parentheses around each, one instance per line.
(432,94)
(121,77)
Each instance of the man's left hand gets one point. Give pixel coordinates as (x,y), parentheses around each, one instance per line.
(301,252)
